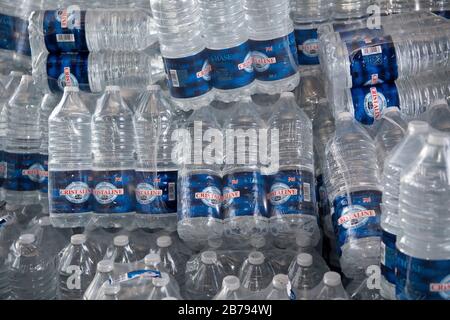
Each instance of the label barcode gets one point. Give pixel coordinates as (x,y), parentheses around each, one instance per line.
(371,50)
(306,192)
(172,191)
(69,37)
(174,78)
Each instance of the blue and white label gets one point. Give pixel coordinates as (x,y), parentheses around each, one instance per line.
(369,102)
(308,46)
(68,69)
(189,77)
(113,191)
(292,192)
(231,68)
(44,173)
(23,171)
(64,30)
(156,192)
(14,35)
(275,59)
(70,192)
(244,194)
(373,60)
(201,196)
(388,256)
(419,279)
(357,217)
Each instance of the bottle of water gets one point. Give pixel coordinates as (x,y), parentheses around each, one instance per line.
(76,267)
(331,288)
(232,290)
(351,9)
(367,287)
(291,188)
(204,282)
(184,51)
(48,237)
(113,177)
(423,257)
(156,173)
(22,149)
(256,272)
(32,272)
(122,255)
(413,96)
(352,180)
(9,232)
(48,104)
(245,205)
(70,161)
(278,289)
(273,46)
(229,51)
(72,29)
(111,291)
(93,72)
(304,275)
(308,16)
(200,185)
(391,129)
(163,288)
(304,245)
(103,274)
(438,115)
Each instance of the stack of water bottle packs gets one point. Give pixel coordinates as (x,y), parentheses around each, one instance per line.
(225,149)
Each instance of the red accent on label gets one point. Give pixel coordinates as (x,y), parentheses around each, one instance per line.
(67,76)
(234,181)
(264,61)
(356,215)
(118,179)
(64,19)
(231,195)
(106,192)
(283,192)
(68,192)
(374,78)
(440,287)
(375,103)
(208,195)
(149,192)
(30,172)
(204,72)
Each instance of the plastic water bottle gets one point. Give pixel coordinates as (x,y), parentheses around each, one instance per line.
(9,232)
(256,272)
(184,50)
(229,51)
(70,161)
(156,173)
(278,289)
(76,267)
(163,288)
(122,255)
(438,115)
(391,129)
(351,9)
(331,288)
(245,205)
(200,215)
(305,275)
(22,182)
(423,257)
(32,272)
(204,282)
(366,288)
(352,180)
(308,16)
(273,46)
(304,245)
(93,72)
(113,177)
(48,237)
(73,29)
(413,96)
(232,290)
(103,274)
(291,195)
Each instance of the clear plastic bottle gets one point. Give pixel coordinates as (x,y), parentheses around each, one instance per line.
(204,282)
(113,176)
(272,42)
(400,6)
(77,267)
(183,47)
(438,115)
(48,237)
(352,181)
(32,271)
(122,255)
(304,275)
(423,256)
(111,291)
(292,199)
(156,173)
(232,290)
(390,130)
(331,288)
(21,186)
(367,287)
(256,272)
(163,288)
(229,50)
(278,289)
(70,161)
(351,9)
(200,216)
(245,203)
(103,274)
(304,245)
